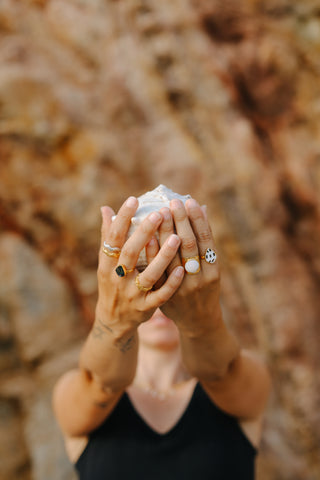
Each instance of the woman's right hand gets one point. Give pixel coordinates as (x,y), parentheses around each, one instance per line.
(121,303)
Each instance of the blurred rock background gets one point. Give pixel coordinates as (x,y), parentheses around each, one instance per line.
(100,99)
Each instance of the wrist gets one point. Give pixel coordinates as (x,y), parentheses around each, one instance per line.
(202,325)
(116,327)
(209,355)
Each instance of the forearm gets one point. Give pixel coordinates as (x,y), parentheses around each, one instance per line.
(208,352)
(110,353)
(84,397)
(244,389)
(236,380)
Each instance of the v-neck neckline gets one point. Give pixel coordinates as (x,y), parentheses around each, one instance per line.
(172,429)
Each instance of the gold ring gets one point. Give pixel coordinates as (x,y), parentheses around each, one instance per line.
(111,254)
(141,287)
(122,270)
(111,251)
(191,264)
(210,256)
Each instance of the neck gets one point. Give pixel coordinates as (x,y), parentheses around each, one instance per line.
(160,369)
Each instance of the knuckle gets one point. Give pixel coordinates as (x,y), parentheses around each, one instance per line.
(215,277)
(131,295)
(122,216)
(162,297)
(204,236)
(189,244)
(190,289)
(166,227)
(167,254)
(114,236)
(147,280)
(196,214)
(129,251)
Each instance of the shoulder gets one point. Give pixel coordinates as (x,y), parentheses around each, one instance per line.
(252,429)
(75,446)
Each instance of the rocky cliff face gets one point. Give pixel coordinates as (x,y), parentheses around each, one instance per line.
(101,99)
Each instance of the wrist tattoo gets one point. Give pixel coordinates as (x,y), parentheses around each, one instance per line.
(126,345)
(104,325)
(98,332)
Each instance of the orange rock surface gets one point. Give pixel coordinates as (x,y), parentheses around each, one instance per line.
(103,99)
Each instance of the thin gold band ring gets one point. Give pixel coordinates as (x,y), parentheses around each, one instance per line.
(139,286)
(111,254)
(111,251)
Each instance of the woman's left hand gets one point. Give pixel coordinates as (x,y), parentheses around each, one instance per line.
(195,306)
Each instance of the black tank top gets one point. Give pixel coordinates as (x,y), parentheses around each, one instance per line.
(205,444)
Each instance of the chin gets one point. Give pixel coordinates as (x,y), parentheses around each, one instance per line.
(159,331)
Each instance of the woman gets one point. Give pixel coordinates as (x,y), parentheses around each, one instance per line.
(163,389)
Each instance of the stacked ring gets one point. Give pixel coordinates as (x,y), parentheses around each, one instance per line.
(141,287)
(122,270)
(210,256)
(191,264)
(111,251)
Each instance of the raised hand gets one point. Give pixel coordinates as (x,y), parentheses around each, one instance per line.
(125,296)
(195,305)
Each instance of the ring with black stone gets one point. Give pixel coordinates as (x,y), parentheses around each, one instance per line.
(122,270)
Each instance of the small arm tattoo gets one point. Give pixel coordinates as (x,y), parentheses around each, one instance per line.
(126,345)
(99,331)
(104,325)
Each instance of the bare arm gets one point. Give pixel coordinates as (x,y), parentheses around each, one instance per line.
(236,380)
(84,397)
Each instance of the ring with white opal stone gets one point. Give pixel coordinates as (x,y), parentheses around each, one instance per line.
(191,264)
(210,256)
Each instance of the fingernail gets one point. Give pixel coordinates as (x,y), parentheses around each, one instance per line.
(131,202)
(176,203)
(179,272)
(154,217)
(166,213)
(192,203)
(152,242)
(174,240)
(204,209)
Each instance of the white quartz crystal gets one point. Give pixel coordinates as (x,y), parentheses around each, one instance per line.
(149,202)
